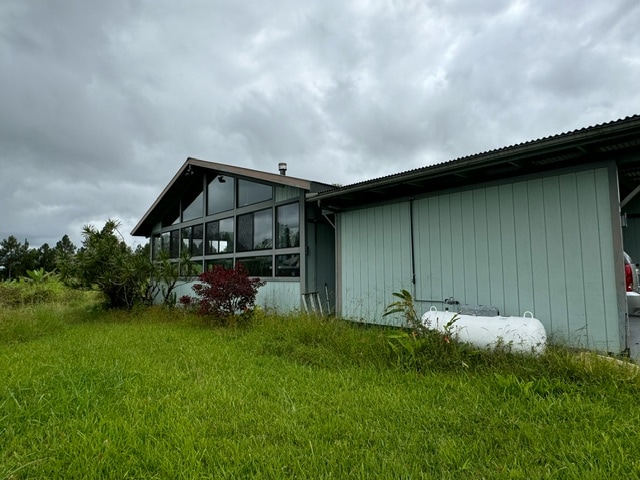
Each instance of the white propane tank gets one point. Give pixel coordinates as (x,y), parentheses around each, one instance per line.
(521,334)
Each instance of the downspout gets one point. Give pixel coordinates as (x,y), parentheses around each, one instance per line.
(412,250)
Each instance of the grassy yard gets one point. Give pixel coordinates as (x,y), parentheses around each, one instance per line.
(158,394)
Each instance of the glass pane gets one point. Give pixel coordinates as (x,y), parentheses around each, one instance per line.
(225,237)
(257,266)
(194,209)
(166,242)
(196,269)
(156,246)
(262,229)
(251,192)
(288,226)
(225,262)
(197,240)
(172,216)
(220,237)
(186,239)
(245,233)
(288,265)
(220,194)
(211,238)
(174,244)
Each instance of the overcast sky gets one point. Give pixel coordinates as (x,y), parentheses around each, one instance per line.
(102,101)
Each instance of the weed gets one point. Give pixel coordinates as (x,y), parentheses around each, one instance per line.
(420,347)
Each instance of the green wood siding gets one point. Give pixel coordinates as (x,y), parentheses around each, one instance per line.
(278,296)
(284,192)
(542,245)
(375,259)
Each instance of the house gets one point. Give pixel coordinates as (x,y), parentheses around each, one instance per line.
(539,226)
(223,214)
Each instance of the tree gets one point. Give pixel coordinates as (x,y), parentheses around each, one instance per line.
(14,256)
(46,258)
(105,261)
(65,246)
(64,252)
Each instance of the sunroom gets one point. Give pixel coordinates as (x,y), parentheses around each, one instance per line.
(220,214)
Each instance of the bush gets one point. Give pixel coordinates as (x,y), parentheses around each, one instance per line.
(226,292)
(106,262)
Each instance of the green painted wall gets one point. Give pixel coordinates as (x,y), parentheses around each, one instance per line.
(375,259)
(279,296)
(284,192)
(543,245)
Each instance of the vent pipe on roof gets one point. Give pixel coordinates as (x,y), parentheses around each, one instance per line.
(283,168)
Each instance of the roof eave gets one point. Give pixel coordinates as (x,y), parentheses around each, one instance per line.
(579,138)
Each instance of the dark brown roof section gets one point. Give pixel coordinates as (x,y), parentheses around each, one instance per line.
(618,140)
(182,182)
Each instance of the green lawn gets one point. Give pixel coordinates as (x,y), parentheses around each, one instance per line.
(157,394)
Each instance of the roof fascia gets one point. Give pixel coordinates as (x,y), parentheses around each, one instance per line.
(230,170)
(249,173)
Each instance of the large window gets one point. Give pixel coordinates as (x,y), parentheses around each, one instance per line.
(255,231)
(252,192)
(288,265)
(172,216)
(234,220)
(288,226)
(194,271)
(197,240)
(194,209)
(220,194)
(225,262)
(219,237)
(192,239)
(156,246)
(174,244)
(257,266)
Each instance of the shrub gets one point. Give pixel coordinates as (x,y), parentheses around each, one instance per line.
(106,262)
(226,292)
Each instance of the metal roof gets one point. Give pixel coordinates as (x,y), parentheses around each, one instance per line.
(181,183)
(617,140)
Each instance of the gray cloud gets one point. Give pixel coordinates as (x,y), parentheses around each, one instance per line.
(103,102)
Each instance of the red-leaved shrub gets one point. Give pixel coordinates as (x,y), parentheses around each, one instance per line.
(225,292)
(186,301)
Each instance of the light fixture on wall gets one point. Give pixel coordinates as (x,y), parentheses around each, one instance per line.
(221,179)
(189,171)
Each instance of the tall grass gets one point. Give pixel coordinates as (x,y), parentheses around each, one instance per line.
(156,393)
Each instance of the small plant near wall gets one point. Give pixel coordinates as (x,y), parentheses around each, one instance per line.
(419,347)
(406,307)
(167,275)
(226,294)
